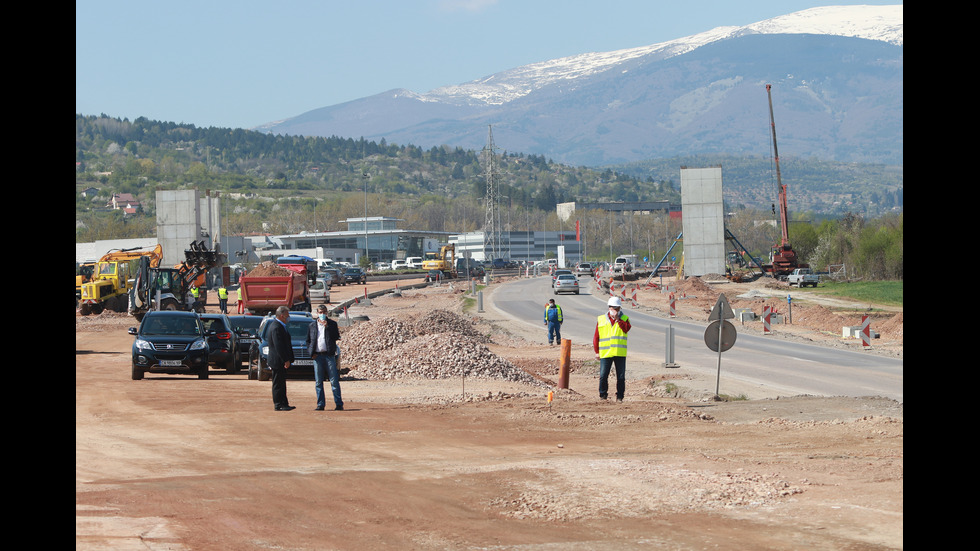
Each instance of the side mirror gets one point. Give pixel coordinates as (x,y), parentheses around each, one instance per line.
(132,331)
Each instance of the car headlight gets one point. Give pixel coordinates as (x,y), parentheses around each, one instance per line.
(265,350)
(199,344)
(141,345)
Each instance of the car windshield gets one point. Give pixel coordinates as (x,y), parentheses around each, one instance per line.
(182,326)
(566,278)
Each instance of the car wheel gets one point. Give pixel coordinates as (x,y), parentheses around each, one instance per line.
(137,373)
(232,366)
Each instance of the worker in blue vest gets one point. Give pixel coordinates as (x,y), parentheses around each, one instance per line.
(553,319)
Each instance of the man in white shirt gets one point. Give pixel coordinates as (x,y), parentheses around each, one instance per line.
(321,343)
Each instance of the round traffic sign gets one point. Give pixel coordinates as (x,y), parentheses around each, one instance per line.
(728,335)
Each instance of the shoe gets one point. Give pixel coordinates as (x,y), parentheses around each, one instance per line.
(339,408)
(619,399)
(286,408)
(602,398)
(319,408)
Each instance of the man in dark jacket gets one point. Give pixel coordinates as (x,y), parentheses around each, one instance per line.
(280,356)
(321,344)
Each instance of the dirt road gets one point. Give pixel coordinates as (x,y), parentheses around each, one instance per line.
(468,463)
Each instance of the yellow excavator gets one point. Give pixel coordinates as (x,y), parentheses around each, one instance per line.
(445,260)
(109,286)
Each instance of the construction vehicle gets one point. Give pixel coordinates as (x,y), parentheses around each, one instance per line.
(783,257)
(111,283)
(301,264)
(83,274)
(269,286)
(158,288)
(443,260)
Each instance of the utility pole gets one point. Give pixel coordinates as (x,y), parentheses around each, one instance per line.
(490,226)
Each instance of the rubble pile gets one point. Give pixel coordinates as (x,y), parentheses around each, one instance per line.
(269,269)
(434,345)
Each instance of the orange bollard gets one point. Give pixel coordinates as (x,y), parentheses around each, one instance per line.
(564,363)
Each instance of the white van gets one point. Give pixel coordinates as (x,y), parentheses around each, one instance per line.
(398,265)
(414,261)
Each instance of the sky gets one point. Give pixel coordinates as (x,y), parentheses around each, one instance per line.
(244,63)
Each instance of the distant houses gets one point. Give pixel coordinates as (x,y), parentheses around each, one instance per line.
(125,202)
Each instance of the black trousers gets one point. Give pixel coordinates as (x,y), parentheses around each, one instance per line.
(279,387)
(605,365)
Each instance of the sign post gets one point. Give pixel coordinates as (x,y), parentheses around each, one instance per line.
(720,334)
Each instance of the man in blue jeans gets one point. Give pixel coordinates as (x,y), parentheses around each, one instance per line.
(321,343)
(553,319)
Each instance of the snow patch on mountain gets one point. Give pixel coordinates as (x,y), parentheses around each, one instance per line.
(883,23)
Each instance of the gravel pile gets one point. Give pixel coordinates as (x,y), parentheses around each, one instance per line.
(433,345)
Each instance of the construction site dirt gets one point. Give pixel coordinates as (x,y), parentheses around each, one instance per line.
(438,448)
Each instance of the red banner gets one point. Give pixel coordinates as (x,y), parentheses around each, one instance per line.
(578,235)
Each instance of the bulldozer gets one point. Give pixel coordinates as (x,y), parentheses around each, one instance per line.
(108,288)
(158,288)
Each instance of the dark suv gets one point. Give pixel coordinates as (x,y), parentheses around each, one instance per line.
(223,342)
(246,327)
(355,275)
(170,341)
(333,276)
(258,356)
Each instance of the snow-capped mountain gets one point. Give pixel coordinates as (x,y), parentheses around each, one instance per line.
(883,23)
(836,71)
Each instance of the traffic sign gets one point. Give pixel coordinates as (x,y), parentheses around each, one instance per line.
(726,336)
(722,310)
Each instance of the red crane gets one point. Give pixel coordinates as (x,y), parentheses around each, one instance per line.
(784,258)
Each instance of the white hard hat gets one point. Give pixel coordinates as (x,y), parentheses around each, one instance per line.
(614,301)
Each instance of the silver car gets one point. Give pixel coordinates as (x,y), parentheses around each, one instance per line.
(320,292)
(566,283)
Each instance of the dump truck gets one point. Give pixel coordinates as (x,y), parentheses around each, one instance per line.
(268,286)
(111,279)
(156,288)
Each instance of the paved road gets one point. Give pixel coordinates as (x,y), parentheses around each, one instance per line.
(781,367)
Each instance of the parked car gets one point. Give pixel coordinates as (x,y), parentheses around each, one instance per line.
(320,292)
(247,329)
(584,268)
(355,275)
(334,276)
(222,342)
(566,283)
(557,273)
(258,356)
(435,275)
(501,264)
(170,341)
(414,262)
(475,270)
(398,265)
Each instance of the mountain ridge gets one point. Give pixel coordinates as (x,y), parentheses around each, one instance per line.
(847,48)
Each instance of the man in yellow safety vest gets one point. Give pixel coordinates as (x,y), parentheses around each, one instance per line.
(609,343)
(223,299)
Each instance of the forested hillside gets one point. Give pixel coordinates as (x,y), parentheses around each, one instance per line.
(289,184)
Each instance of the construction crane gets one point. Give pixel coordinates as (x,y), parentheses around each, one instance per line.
(784,258)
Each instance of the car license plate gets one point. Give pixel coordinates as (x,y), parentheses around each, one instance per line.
(302,362)
(171,363)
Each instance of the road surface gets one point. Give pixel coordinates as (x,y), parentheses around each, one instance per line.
(779,367)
